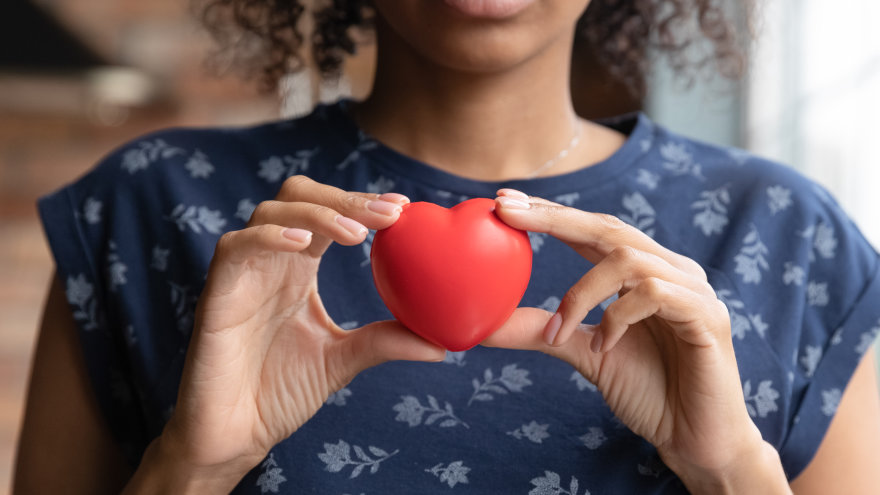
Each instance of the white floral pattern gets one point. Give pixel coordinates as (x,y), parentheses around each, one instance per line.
(830,401)
(647,178)
(92,210)
(824,240)
(640,214)
(278,167)
(752,258)
(567,199)
(451,474)
(197,219)
(411,411)
(810,359)
(778,198)
(145,153)
(365,143)
(512,379)
(817,294)
(199,166)
(581,382)
(763,401)
(381,185)
(116,269)
(536,239)
(338,456)
(339,397)
(549,485)
(271,478)
(678,160)
(456,358)
(534,432)
(80,294)
(793,274)
(594,438)
(866,339)
(740,322)
(712,215)
(245,209)
(160,258)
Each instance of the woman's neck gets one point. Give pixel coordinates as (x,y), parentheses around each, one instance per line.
(493,125)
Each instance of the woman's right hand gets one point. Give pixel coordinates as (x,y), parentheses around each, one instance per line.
(265,355)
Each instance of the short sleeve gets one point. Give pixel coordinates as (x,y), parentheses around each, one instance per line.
(833,273)
(74,222)
(832,359)
(132,274)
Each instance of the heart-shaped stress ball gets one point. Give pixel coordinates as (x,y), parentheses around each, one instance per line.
(453,276)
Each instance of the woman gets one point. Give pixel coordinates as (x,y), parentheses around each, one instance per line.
(723,330)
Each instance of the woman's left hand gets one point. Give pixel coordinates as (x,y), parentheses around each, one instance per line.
(662,356)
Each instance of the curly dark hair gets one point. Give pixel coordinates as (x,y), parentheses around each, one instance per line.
(267,36)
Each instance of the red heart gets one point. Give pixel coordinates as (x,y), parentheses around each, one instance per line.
(453,276)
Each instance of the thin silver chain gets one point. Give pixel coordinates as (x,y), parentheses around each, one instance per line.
(575,140)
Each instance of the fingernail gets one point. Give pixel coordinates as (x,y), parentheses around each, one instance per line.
(583,327)
(298,235)
(513,204)
(394,198)
(513,193)
(383,207)
(596,343)
(552,328)
(351,225)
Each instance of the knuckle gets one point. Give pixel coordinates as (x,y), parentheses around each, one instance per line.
(611,316)
(721,307)
(707,288)
(610,223)
(653,287)
(320,213)
(350,202)
(226,244)
(262,211)
(570,300)
(695,269)
(626,255)
(294,184)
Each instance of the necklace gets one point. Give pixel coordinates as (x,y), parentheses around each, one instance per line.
(575,140)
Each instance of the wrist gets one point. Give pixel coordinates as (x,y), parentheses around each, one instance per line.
(165,469)
(756,469)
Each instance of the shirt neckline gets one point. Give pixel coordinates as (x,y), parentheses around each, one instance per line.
(636,126)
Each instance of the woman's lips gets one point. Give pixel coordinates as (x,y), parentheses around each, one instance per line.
(496,9)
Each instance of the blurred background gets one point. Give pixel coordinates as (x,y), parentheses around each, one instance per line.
(78,78)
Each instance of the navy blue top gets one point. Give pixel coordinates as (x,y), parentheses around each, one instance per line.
(132,240)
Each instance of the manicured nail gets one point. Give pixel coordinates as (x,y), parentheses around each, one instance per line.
(394,198)
(513,204)
(552,328)
(298,235)
(596,343)
(351,225)
(513,193)
(383,207)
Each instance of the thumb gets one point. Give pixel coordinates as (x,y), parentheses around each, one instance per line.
(389,340)
(525,330)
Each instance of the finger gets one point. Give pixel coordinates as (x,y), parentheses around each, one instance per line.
(327,224)
(692,317)
(383,341)
(619,272)
(235,248)
(375,211)
(515,194)
(593,235)
(524,330)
